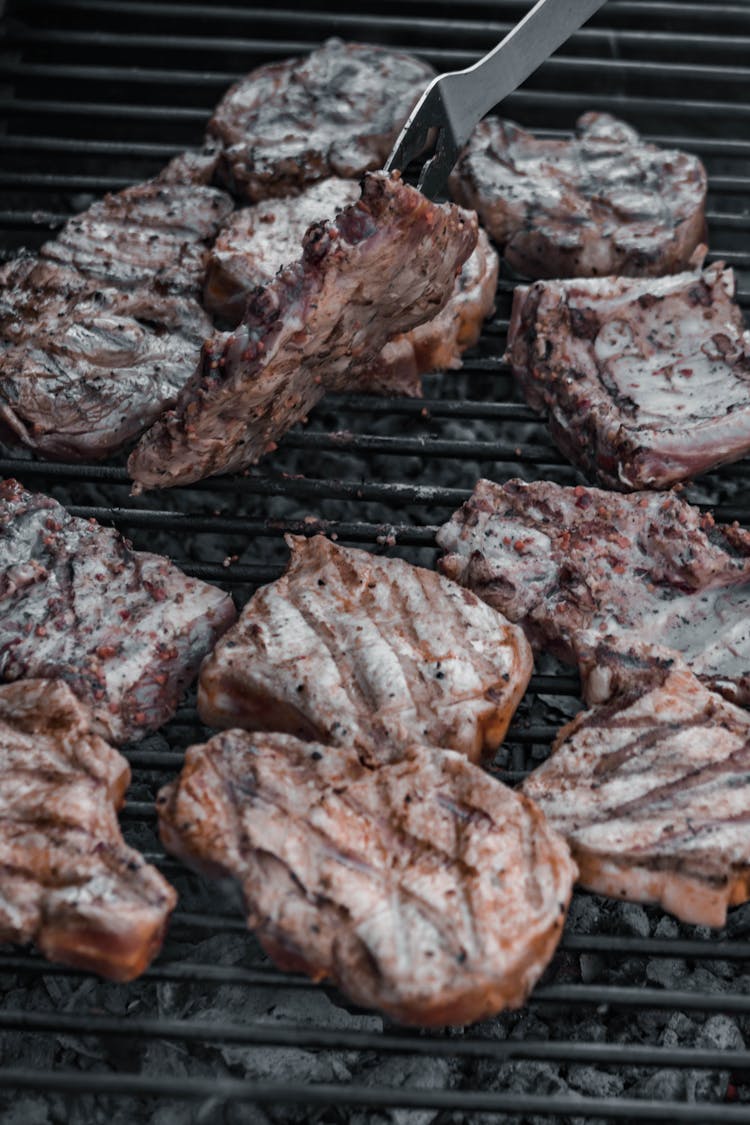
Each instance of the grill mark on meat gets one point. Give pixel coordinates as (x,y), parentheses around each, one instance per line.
(385,265)
(655,399)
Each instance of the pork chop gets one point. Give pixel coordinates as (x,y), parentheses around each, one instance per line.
(646,382)
(70,884)
(652,794)
(422,887)
(601,203)
(336,112)
(615,584)
(385,264)
(349,648)
(124,629)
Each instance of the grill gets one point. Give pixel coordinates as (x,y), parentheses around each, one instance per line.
(637,1016)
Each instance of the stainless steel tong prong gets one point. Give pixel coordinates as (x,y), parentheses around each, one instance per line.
(453,103)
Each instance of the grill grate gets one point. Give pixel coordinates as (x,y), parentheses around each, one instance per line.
(97,94)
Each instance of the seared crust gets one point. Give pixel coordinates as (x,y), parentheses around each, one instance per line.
(385,265)
(423,888)
(601,203)
(351,648)
(652,794)
(70,884)
(336,112)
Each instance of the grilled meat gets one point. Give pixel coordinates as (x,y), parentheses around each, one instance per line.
(602,203)
(351,648)
(386,264)
(124,629)
(652,794)
(258,241)
(336,112)
(646,382)
(70,884)
(84,371)
(154,234)
(422,887)
(616,584)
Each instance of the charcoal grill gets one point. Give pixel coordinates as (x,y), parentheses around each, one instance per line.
(97,94)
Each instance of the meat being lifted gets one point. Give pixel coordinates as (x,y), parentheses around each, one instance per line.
(602,203)
(619,585)
(124,629)
(422,887)
(258,241)
(70,883)
(349,648)
(336,112)
(386,264)
(645,382)
(652,794)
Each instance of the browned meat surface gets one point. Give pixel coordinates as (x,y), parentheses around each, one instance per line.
(153,234)
(386,264)
(258,241)
(85,370)
(196,166)
(652,794)
(70,884)
(602,203)
(336,112)
(422,887)
(646,382)
(609,582)
(349,647)
(124,629)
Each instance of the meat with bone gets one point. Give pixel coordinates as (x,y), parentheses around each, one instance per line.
(336,112)
(258,241)
(646,382)
(601,203)
(153,234)
(124,629)
(652,793)
(70,884)
(349,648)
(83,370)
(422,886)
(616,584)
(385,264)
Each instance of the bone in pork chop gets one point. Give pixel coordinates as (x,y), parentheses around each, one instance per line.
(70,884)
(258,241)
(124,629)
(652,794)
(602,203)
(83,371)
(422,887)
(385,264)
(646,382)
(154,234)
(616,584)
(348,647)
(336,112)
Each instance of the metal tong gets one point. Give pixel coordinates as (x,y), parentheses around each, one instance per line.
(453,103)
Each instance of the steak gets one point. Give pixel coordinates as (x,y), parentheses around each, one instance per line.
(385,264)
(601,203)
(258,241)
(652,794)
(619,585)
(422,887)
(646,382)
(336,112)
(83,370)
(70,884)
(350,648)
(153,234)
(124,629)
